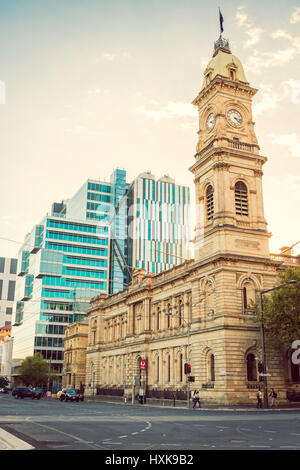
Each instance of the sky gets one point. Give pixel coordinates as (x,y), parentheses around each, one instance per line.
(87,86)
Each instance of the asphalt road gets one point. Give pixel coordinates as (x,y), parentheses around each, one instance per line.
(49,424)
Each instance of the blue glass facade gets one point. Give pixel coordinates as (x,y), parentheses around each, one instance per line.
(63,263)
(88,245)
(154,221)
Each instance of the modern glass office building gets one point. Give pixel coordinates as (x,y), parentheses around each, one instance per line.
(157,227)
(63,263)
(88,245)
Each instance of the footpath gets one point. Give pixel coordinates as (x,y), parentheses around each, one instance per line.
(10,442)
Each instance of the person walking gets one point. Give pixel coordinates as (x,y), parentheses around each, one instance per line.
(273,395)
(259,399)
(196,399)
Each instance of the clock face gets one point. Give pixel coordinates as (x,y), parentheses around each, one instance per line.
(210,122)
(234,117)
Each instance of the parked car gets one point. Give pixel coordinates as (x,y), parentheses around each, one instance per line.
(37,393)
(60,392)
(71,394)
(22,392)
(4,390)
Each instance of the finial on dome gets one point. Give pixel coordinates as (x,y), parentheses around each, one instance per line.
(221,43)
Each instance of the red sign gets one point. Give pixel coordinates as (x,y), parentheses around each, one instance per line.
(142,364)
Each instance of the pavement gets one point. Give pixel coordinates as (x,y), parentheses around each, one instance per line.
(10,442)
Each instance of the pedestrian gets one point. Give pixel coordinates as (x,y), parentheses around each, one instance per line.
(259,399)
(273,395)
(196,399)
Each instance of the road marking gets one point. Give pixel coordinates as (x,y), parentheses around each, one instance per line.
(271,431)
(261,446)
(122,437)
(111,443)
(294,434)
(289,447)
(166,444)
(65,434)
(11,442)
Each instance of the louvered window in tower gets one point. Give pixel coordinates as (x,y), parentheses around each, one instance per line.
(241,198)
(210,202)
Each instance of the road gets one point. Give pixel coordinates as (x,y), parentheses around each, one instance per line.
(49,424)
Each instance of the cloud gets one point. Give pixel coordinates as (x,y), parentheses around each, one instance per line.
(263,60)
(242,17)
(295,17)
(269,99)
(294,88)
(112,57)
(108,56)
(169,111)
(292,141)
(253,32)
(255,35)
(259,61)
(98,91)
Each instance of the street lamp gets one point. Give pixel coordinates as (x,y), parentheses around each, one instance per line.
(188,352)
(262,337)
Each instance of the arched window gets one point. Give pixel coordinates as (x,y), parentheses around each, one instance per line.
(210,202)
(241,198)
(251,368)
(212,367)
(248,295)
(180,313)
(157,369)
(158,319)
(168,368)
(180,367)
(169,316)
(295,372)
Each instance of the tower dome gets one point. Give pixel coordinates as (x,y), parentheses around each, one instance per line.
(224,64)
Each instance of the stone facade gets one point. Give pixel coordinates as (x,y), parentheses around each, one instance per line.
(200,312)
(75,344)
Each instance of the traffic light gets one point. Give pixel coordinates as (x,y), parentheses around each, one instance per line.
(260,367)
(191,378)
(187,368)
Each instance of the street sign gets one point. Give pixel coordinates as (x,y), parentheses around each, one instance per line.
(142,364)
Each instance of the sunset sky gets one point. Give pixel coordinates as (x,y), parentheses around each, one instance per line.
(92,85)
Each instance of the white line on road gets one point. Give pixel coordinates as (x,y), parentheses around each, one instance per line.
(262,447)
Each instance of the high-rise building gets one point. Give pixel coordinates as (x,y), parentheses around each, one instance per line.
(156,229)
(69,257)
(8,269)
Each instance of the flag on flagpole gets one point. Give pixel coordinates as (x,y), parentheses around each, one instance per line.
(221,21)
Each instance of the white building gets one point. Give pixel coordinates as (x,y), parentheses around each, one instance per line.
(8,271)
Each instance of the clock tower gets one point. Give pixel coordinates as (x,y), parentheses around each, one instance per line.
(228,167)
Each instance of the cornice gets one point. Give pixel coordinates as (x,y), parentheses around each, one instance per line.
(222,82)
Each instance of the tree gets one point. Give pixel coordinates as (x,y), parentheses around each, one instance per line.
(35,371)
(281,311)
(3,382)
